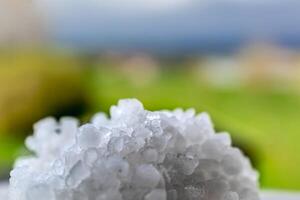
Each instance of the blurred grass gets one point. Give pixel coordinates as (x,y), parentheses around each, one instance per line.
(10,149)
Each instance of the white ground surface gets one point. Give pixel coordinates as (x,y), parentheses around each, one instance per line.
(279,195)
(266,195)
(3,191)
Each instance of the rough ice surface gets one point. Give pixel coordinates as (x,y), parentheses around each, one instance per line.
(135,154)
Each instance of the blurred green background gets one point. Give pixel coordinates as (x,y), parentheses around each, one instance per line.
(237,60)
(259,108)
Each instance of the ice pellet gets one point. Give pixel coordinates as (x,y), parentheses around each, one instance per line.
(134,154)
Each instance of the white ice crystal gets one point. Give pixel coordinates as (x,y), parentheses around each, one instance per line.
(133,155)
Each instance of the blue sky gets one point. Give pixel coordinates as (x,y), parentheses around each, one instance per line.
(171,24)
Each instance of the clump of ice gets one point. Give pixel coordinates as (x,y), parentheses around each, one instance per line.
(133,155)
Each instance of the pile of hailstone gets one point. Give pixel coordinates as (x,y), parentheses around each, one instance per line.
(135,154)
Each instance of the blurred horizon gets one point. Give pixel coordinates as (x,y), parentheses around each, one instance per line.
(165,27)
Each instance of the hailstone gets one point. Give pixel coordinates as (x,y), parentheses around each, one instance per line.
(135,154)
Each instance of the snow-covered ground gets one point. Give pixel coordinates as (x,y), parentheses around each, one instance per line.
(266,195)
